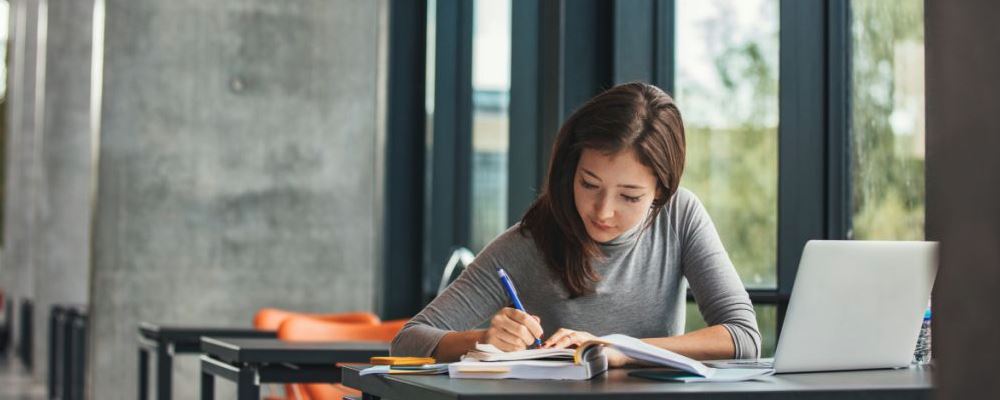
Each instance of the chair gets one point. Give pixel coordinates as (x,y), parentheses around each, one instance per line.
(306,329)
(270,319)
(460,259)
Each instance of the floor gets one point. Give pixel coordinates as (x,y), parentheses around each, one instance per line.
(15,383)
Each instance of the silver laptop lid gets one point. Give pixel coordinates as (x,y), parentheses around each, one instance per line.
(856,305)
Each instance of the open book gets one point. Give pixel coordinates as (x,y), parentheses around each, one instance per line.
(584,362)
(488,362)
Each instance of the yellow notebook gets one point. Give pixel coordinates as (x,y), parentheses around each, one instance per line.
(401,361)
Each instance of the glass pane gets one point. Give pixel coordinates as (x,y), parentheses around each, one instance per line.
(4,23)
(727,90)
(767,322)
(490,100)
(887,126)
(429,82)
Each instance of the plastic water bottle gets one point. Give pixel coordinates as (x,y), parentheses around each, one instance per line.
(922,354)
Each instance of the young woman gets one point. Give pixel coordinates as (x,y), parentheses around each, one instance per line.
(608,247)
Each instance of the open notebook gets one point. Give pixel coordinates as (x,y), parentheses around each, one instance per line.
(584,362)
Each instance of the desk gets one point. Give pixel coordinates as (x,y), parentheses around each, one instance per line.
(166,341)
(252,362)
(616,384)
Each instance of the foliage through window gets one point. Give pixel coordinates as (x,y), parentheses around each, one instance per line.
(887,124)
(727,91)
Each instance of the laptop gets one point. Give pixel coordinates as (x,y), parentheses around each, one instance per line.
(855,305)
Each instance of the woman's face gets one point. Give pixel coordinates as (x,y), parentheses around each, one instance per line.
(612,192)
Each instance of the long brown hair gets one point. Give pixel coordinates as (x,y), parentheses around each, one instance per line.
(633,116)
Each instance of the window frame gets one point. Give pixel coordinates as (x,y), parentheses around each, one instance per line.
(449,192)
(562,55)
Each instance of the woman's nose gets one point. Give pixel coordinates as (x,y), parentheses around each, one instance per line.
(604,208)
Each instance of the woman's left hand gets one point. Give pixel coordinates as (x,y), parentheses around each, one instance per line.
(564,338)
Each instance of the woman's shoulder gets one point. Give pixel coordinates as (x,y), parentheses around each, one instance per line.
(684,204)
(682,212)
(685,197)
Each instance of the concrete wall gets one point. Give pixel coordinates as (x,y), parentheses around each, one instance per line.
(22,158)
(65,180)
(236,169)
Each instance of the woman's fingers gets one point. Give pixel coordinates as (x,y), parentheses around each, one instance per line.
(522,318)
(508,342)
(560,339)
(518,332)
(567,337)
(563,342)
(512,330)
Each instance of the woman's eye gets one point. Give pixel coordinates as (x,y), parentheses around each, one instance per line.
(587,185)
(631,199)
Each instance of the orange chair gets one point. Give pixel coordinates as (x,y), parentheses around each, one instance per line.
(305,329)
(269,319)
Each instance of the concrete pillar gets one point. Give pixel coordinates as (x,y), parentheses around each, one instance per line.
(237,169)
(22,158)
(65,185)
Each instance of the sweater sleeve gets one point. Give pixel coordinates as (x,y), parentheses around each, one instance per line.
(717,288)
(467,303)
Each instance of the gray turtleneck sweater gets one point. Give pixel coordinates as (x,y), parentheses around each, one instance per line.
(642,291)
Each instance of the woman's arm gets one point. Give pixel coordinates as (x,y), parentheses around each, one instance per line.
(711,343)
(510,330)
(448,326)
(717,289)
(454,344)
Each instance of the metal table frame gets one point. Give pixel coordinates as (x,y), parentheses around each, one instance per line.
(252,362)
(166,341)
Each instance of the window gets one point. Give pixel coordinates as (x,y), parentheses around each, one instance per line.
(851,120)
(490,99)
(887,120)
(727,91)
(4,20)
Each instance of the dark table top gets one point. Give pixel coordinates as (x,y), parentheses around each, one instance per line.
(913,383)
(244,350)
(192,334)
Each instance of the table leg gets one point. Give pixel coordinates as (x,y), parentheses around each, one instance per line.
(143,373)
(207,385)
(164,370)
(247,388)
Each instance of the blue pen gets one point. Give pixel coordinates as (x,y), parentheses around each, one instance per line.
(509,287)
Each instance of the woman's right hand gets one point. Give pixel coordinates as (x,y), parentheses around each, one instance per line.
(512,330)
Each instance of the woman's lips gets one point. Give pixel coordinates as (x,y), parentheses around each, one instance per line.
(601,226)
